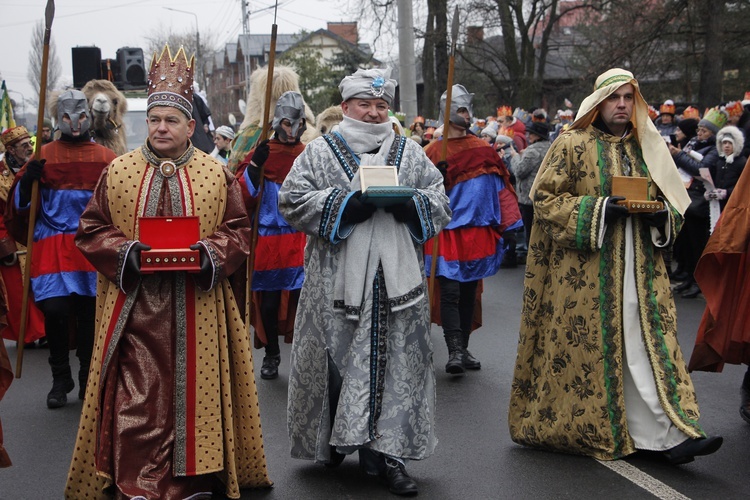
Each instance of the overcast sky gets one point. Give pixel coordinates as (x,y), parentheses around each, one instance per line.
(111,24)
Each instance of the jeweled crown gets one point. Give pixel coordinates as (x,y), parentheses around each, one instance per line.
(170,81)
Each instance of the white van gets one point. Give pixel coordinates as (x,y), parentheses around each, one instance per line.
(135,122)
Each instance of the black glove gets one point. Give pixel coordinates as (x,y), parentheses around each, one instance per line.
(404,212)
(442,166)
(656,219)
(133,261)
(10,259)
(355,211)
(206,271)
(260,155)
(34,170)
(613,211)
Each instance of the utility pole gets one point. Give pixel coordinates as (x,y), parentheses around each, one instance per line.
(407,64)
(245,26)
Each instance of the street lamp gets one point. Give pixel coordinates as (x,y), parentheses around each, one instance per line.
(197,40)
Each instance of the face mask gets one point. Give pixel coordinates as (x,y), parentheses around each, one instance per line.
(291,107)
(72,103)
(460,98)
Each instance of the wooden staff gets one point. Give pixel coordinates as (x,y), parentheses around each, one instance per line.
(444,145)
(49,14)
(265,131)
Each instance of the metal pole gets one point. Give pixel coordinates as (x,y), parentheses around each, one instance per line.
(407,63)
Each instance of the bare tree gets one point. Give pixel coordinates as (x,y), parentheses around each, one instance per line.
(34,71)
(521,34)
(712,67)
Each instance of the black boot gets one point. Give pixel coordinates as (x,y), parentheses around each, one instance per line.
(270,368)
(62,384)
(510,260)
(82,381)
(399,482)
(470,362)
(455,365)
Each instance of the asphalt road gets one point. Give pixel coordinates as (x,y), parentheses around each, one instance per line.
(475,458)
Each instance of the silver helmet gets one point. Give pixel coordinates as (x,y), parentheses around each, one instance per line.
(72,103)
(290,106)
(460,98)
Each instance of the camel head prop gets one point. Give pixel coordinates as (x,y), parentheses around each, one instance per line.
(107,106)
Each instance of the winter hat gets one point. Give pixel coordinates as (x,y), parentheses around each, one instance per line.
(714,119)
(504,139)
(689,126)
(731,134)
(539,129)
(225,132)
(490,131)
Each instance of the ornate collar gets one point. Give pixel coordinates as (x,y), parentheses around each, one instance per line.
(167,167)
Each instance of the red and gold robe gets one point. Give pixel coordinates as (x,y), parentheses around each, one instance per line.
(171,397)
(11,277)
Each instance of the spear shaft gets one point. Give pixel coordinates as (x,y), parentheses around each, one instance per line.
(49,15)
(265,132)
(444,145)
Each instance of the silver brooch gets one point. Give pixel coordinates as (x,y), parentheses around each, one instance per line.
(377,87)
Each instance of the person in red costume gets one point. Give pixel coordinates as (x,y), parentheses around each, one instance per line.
(278,270)
(18,150)
(470,248)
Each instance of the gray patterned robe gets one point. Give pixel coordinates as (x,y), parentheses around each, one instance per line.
(387,398)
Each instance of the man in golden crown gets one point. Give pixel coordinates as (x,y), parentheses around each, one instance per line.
(172,382)
(18,150)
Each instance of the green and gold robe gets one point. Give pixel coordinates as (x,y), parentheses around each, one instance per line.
(567,392)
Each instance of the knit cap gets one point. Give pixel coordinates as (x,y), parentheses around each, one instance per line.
(225,132)
(689,126)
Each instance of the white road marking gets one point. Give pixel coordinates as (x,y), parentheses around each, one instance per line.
(640,478)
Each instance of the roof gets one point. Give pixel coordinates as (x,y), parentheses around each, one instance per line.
(260,45)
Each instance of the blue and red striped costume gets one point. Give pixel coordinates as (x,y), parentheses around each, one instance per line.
(70,174)
(279,254)
(484,205)
(280,249)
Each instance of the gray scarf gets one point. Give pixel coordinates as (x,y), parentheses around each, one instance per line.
(363,137)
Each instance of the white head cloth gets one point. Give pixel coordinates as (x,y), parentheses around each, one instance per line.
(655,151)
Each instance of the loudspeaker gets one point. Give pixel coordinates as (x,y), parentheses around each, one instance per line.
(86,65)
(132,68)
